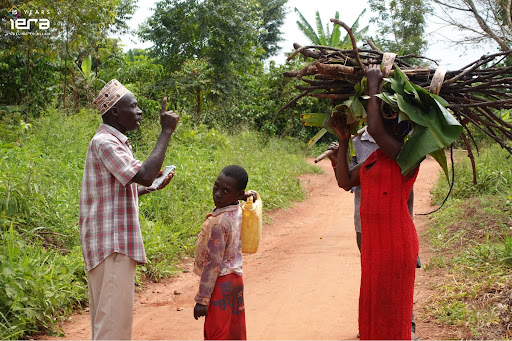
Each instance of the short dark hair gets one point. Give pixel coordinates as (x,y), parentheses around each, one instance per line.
(239,174)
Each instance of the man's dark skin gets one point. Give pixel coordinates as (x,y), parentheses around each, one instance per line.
(125,116)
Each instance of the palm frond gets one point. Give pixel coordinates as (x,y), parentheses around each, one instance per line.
(320,29)
(306,28)
(336,32)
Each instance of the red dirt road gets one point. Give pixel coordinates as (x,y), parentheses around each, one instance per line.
(303,284)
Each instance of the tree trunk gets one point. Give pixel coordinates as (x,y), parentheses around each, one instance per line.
(66,68)
(198,104)
(27,92)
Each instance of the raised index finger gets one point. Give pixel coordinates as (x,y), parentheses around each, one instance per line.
(164,105)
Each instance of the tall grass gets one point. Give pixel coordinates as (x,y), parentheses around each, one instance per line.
(472,242)
(38,286)
(41,266)
(494,175)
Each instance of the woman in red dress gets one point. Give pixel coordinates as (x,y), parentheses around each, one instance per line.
(389,246)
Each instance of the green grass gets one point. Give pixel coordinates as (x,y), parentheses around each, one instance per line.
(41,265)
(39,286)
(494,175)
(471,242)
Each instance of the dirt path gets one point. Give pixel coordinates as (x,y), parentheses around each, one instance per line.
(302,284)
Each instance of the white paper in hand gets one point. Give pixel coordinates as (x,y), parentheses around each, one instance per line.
(160,179)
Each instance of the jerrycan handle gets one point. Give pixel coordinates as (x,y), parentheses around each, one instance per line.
(250,200)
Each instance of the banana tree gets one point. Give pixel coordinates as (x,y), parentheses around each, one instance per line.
(332,38)
(328,36)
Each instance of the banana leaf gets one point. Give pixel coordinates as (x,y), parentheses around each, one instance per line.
(317,120)
(317,137)
(435,128)
(87,66)
(312,119)
(356,109)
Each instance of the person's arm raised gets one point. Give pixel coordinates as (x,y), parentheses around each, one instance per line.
(347,178)
(150,168)
(386,142)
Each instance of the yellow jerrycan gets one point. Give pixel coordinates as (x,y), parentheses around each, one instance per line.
(252,219)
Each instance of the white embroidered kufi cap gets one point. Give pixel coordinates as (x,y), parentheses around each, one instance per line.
(112,92)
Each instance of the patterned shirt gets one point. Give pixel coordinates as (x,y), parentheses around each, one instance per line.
(218,249)
(109,211)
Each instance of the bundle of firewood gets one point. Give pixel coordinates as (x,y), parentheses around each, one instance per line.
(476,93)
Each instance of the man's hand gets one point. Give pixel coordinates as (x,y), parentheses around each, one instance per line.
(200,310)
(168,119)
(166,181)
(338,122)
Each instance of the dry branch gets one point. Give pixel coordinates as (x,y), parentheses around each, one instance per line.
(475,93)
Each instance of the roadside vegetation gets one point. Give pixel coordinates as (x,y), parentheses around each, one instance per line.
(41,264)
(471,245)
(216,72)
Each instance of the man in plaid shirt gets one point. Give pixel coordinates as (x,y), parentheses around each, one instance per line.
(109,215)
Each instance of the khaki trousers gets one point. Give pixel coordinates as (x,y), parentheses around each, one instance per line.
(111,292)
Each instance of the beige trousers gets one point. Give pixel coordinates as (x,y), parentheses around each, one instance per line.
(111,287)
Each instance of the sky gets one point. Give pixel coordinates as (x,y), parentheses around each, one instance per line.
(445,54)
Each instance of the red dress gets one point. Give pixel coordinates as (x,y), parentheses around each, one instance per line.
(388,252)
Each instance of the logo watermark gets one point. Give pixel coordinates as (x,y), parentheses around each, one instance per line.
(35,24)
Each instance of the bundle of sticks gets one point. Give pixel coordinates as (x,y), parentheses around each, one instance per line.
(476,93)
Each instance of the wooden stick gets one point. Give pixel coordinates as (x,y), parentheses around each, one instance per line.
(351,35)
(324,155)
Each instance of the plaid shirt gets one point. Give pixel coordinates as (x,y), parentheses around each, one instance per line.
(109,211)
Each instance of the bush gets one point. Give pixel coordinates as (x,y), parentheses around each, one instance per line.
(39,285)
(41,265)
(472,244)
(494,175)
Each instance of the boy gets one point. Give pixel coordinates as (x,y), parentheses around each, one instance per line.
(219,260)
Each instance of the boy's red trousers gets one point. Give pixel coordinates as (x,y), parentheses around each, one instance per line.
(226,311)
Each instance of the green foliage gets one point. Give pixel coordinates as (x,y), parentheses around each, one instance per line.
(330,36)
(40,260)
(401,25)
(494,175)
(225,32)
(273,14)
(41,70)
(38,285)
(434,127)
(471,240)
(192,81)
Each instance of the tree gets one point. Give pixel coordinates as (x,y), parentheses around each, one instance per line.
(401,25)
(479,20)
(43,70)
(233,35)
(273,14)
(329,37)
(194,77)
